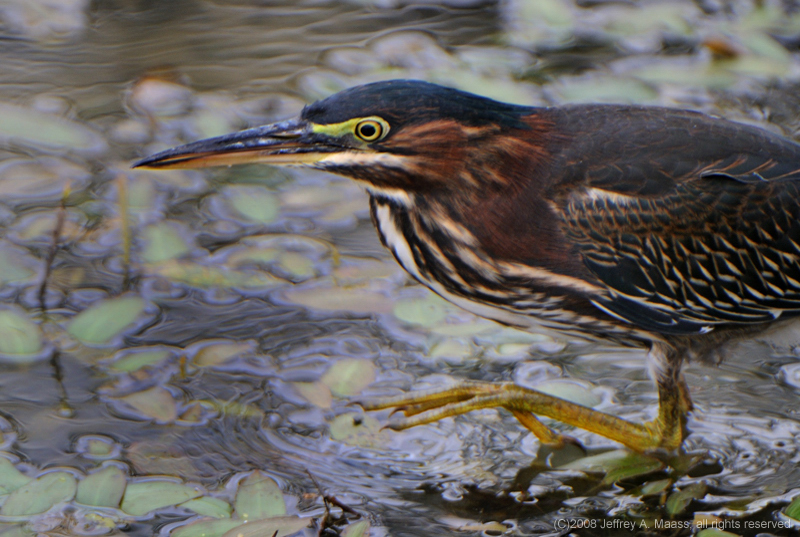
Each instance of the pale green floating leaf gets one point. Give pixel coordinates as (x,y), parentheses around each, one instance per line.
(103,488)
(40,495)
(551,12)
(160,97)
(316,197)
(297,264)
(258,174)
(426,311)
(98,522)
(208,506)
(500,87)
(767,17)
(45,131)
(358,529)
(513,349)
(253,255)
(39,225)
(653,488)
(97,447)
(348,377)
(154,456)
(765,46)
(616,465)
(680,74)
(253,203)
(221,351)
(451,348)
(635,465)
(204,277)
(13,266)
(206,528)
(17,530)
(129,360)
(494,59)
(756,66)
(356,270)
(293,256)
(194,412)
(10,478)
(155,403)
(145,496)
(19,336)
(258,496)
(141,193)
(569,390)
(606,90)
(106,319)
(279,526)
(284,242)
(315,393)
(42,180)
(188,181)
(485,528)
(793,509)
(163,242)
(646,19)
(678,501)
(533,22)
(232,408)
(354,299)
(212,122)
(469,328)
(356,430)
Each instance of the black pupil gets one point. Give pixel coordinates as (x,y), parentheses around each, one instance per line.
(368,130)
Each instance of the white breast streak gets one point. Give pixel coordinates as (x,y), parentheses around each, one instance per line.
(544,276)
(395,194)
(396,241)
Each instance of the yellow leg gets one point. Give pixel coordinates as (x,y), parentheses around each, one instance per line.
(545,434)
(674,404)
(428,407)
(667,431)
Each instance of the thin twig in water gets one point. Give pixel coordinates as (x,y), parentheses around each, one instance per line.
(54,247)
(65,409)
(122,192)
(328,521)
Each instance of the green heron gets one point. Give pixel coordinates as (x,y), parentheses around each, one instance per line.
(651,227)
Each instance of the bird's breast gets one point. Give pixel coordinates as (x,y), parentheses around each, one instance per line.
(442,255)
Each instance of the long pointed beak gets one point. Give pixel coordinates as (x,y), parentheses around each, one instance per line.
(288,142)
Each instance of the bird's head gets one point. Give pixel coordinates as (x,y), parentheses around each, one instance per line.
(399,135)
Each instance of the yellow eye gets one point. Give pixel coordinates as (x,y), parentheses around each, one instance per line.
(370,130)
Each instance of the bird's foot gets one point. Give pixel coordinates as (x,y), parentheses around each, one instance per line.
(665,433)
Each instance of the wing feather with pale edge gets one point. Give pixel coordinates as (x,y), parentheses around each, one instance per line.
(695,222)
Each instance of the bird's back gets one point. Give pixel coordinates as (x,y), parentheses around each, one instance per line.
(638,220)
(692,223)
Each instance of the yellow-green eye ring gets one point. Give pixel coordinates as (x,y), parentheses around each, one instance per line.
(371,129)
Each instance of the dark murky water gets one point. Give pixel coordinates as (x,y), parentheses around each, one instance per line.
(203,333)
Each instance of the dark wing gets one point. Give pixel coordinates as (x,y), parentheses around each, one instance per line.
(690,222)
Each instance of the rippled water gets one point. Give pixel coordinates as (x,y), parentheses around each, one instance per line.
(196,328)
